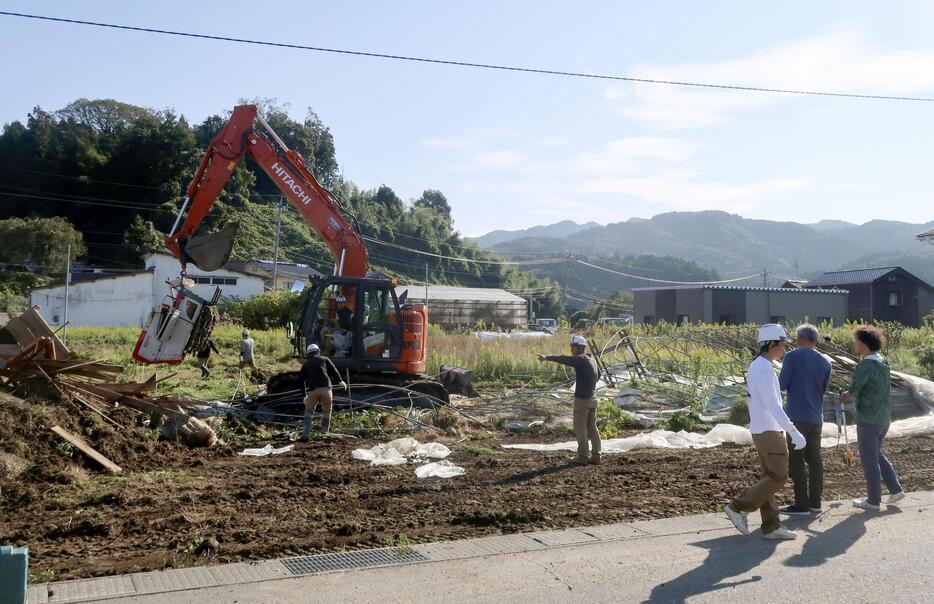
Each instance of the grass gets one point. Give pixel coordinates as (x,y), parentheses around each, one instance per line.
(499,363)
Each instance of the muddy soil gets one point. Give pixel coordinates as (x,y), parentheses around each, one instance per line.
(208,507)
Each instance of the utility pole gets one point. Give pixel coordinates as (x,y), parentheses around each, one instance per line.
(67,281)
(765,277)
(275,257)
(564,285)
(426,284)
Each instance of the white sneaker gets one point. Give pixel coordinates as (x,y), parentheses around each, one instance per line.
(738,519)
(895,498)
(782,534)
(864,504)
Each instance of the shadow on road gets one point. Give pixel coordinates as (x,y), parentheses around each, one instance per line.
(727,557)
(835,541)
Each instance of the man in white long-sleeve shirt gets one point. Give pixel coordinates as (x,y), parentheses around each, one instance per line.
(768,424)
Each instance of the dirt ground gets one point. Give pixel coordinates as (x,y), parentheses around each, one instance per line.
(175,507)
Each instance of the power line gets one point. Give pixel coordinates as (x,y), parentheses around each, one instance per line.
(664,280)
(80,178)
(490,66)
(496,262)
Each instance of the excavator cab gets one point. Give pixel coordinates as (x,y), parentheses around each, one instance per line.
(363,326)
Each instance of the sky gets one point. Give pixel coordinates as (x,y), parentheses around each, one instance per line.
(513,150)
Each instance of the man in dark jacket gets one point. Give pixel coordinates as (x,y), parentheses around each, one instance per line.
(805,375)
(204,357)
(586,374)
(315,376)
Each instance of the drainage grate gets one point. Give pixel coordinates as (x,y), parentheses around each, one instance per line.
(305,565)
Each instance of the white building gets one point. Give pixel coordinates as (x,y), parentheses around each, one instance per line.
(112,299)
(466,306)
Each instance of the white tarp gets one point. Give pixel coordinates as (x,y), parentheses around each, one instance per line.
(439,469)
(400,451)
(489,336)
(726,433)
(267,450)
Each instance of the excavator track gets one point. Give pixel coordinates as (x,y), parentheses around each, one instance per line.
(395,390)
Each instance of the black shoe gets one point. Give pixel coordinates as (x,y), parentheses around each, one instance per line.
(816,510)
(790,510)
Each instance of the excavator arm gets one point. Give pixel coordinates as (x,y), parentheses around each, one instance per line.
(286,168)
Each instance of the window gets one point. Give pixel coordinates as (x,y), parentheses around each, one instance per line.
(777,319)
(223,280)
(896,298)
(683,319)
(201,280)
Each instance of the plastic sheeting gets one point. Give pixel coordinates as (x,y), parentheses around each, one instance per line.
(267,450)
(489,336)
(400,451)
(727,433)
(439,469)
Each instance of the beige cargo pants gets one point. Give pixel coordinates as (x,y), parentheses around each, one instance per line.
(585,428)
(773,457)
(319,396)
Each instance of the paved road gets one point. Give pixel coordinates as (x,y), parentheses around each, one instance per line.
(842,556)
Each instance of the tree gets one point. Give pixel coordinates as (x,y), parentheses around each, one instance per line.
(142,237)
(40,243)
(388,199)
(435,199)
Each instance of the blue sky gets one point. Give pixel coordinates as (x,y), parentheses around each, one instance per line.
(513,150)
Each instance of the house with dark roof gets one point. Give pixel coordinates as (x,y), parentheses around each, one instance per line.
(881,294)
(289,275)
(734,305)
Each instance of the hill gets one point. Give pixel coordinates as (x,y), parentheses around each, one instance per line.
(565,228)
(733,245)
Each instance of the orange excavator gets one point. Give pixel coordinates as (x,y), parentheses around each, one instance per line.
(359,322)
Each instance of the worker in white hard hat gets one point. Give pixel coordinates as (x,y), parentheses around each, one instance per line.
(317,381)
(768,424)
(586,374)
(247,347)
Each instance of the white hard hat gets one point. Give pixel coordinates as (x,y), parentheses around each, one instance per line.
(578,341)
(246,333)
(772,332)
(312,348)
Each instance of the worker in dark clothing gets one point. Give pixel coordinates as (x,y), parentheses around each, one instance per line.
(204,357)
(317,381)
(344,314)
(586,374)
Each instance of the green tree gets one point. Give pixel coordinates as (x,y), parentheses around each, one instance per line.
(40,242)
(141,238)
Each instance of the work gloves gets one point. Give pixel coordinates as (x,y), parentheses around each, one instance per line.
(342,386)
(798,440)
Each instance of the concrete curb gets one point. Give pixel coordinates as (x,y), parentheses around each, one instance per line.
(161,582)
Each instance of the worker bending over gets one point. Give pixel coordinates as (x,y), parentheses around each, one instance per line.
(317,382)
(586,374)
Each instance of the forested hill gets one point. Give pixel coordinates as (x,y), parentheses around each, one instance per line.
(733,245)
(117,172)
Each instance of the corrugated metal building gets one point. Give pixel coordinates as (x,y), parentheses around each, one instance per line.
(457,307)
(881,294)
(735,305)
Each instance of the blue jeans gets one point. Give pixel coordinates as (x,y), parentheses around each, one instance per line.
(876,466)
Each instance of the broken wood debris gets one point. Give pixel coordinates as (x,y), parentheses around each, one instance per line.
(78,443)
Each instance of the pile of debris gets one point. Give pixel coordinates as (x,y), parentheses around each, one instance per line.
(31,352)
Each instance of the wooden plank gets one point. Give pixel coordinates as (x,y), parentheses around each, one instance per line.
(85,448)
(34,321)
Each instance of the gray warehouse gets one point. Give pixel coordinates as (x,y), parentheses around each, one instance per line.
(736,305)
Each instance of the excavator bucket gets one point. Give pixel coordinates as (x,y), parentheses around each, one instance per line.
(457,380)
(211,252)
